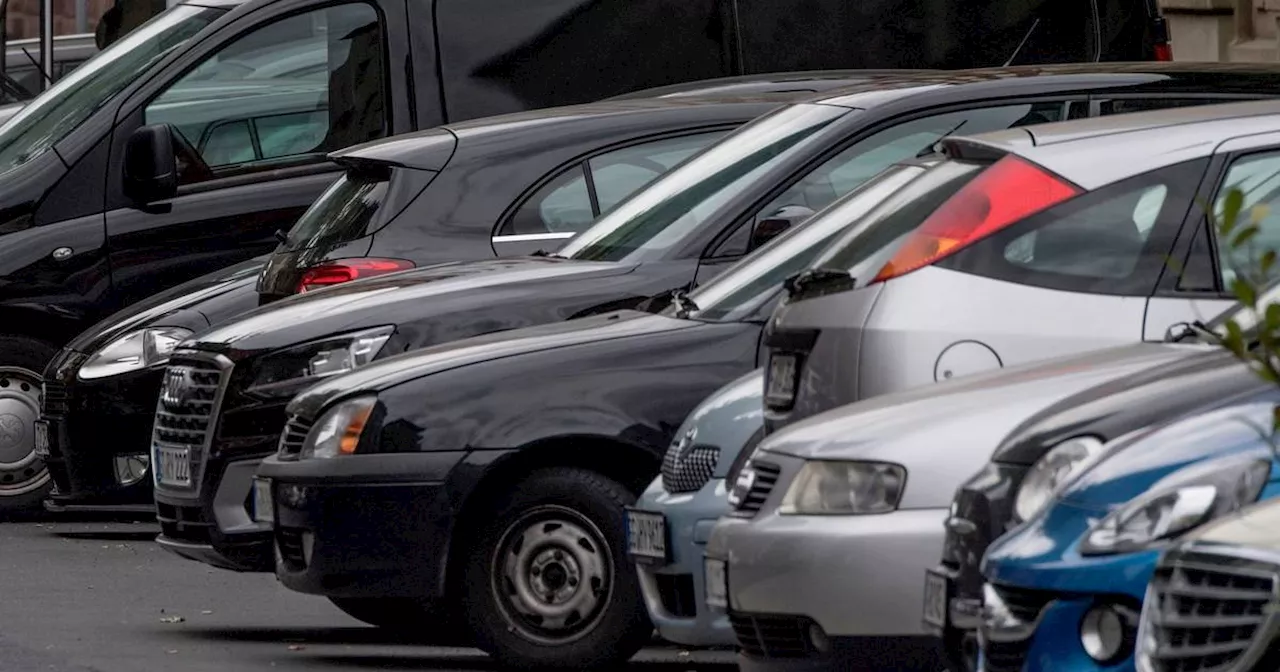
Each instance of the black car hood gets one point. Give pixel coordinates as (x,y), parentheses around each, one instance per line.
(392,371)
(1130,403)
(401,298)
(187,305)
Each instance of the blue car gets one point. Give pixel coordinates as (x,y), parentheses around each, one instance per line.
(682,505)
(1064,591)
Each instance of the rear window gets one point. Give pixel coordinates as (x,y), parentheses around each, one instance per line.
(357,204)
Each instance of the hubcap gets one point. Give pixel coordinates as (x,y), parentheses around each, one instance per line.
(20,471)
(552,575)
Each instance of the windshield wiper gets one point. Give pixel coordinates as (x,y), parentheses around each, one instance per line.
(932,147)
(817,279)
(684,305)
(544,253)
(1196,328)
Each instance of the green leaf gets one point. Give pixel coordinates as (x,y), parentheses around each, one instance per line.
(1272,318)
(1268,260)
(1231,204)
(1245,292)
(1244,235)
(1234,341)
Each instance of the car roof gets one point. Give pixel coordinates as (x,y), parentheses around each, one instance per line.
(801,81)
(429,149)
(1147,140)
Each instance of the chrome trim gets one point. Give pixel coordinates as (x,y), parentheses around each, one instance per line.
(526,237)
(1000,624)
(197,462)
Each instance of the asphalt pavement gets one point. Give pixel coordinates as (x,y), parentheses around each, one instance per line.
(100,596)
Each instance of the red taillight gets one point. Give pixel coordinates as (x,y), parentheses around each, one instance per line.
(1003,194)
(1164,52)
(345,270)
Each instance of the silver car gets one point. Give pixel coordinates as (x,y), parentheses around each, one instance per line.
(1032,243)
(835,519)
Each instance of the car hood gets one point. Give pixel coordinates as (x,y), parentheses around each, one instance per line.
(392,371)
(393,299)
(1221,427)
(966,418)
(1127,404)
(176,307)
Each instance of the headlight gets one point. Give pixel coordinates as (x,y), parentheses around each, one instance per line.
(1178,503)
(133,351)
(339,429)
(287,372)
(1052,471)
(848,488)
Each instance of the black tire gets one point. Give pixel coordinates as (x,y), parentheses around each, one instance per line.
(579,514)
(24,481)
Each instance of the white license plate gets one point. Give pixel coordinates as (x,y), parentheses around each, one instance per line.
(42,439)
(173,466)
(782,379)
(264,510)
(716,577)
(646,535)
(935,600)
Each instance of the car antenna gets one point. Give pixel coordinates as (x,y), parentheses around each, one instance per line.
(1023,43)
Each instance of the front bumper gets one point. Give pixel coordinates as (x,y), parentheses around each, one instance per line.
(363,526)
(858,578)
(675,592)
(95,428)
(218,531)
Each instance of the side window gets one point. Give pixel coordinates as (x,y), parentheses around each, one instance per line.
(865,158)
(239,111)
(1114,240)
(1126,105)
(1257,176)
(568,204)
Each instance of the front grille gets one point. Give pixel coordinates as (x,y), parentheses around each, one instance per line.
(1203,616)
(677,594)
(1024,605)
(1005,656)
(54,402)
(295,433)
(687,469)
(766,476)
(772,636)
(192,390)
(289,541)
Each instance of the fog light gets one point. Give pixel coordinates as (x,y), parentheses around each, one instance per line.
(1102,633)
(294,496)
(131,468)
(818,638)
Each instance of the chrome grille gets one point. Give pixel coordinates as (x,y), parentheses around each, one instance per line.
(766,476)
(295,433)
(772,636)
(186,415)
(1202,614)
(688,466)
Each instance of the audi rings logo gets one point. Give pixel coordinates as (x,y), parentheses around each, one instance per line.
(177,386)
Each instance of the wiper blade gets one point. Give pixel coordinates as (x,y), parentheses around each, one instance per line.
(544,253)
(932,147)
(1195,328)
(684,305)
(817,279)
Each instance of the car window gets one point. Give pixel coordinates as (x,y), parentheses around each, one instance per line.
(287,119)
(566,203)
(1127,105)
(1257,176)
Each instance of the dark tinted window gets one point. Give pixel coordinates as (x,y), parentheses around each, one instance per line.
(1127,105)
(342,212)
(1197,271)
(1114,240)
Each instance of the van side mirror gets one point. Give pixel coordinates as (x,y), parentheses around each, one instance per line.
(777,223)
(150,165)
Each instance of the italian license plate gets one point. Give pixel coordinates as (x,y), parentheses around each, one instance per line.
(42,439)
(264,510)
(936,599)
(646,536)
(173,466)
(716,578)
(782,379)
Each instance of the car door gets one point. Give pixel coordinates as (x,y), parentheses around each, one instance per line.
(251,149)
(1197,283)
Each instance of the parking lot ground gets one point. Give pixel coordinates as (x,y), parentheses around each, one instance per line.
(80,596)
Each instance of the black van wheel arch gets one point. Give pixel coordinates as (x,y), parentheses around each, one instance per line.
(550,585)
(24,480)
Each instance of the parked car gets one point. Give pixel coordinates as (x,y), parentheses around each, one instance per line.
(1069,583)
(836,518)
(414,199)
(670,524)
(1079,264)
(1041,456)
(21,66)
(1237,552)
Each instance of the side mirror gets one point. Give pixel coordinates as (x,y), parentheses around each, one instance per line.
(776,224)
(150,165)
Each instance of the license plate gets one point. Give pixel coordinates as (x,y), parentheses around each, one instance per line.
(173,466)
(782,379)
(716,577)
(936,599)
(42,439)
(646,535)
(263,508)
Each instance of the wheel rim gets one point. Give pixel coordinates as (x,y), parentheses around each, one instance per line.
(552,575)
(20,471)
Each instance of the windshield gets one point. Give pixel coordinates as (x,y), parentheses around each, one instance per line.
(57,112)
(740,291)
(667,211)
